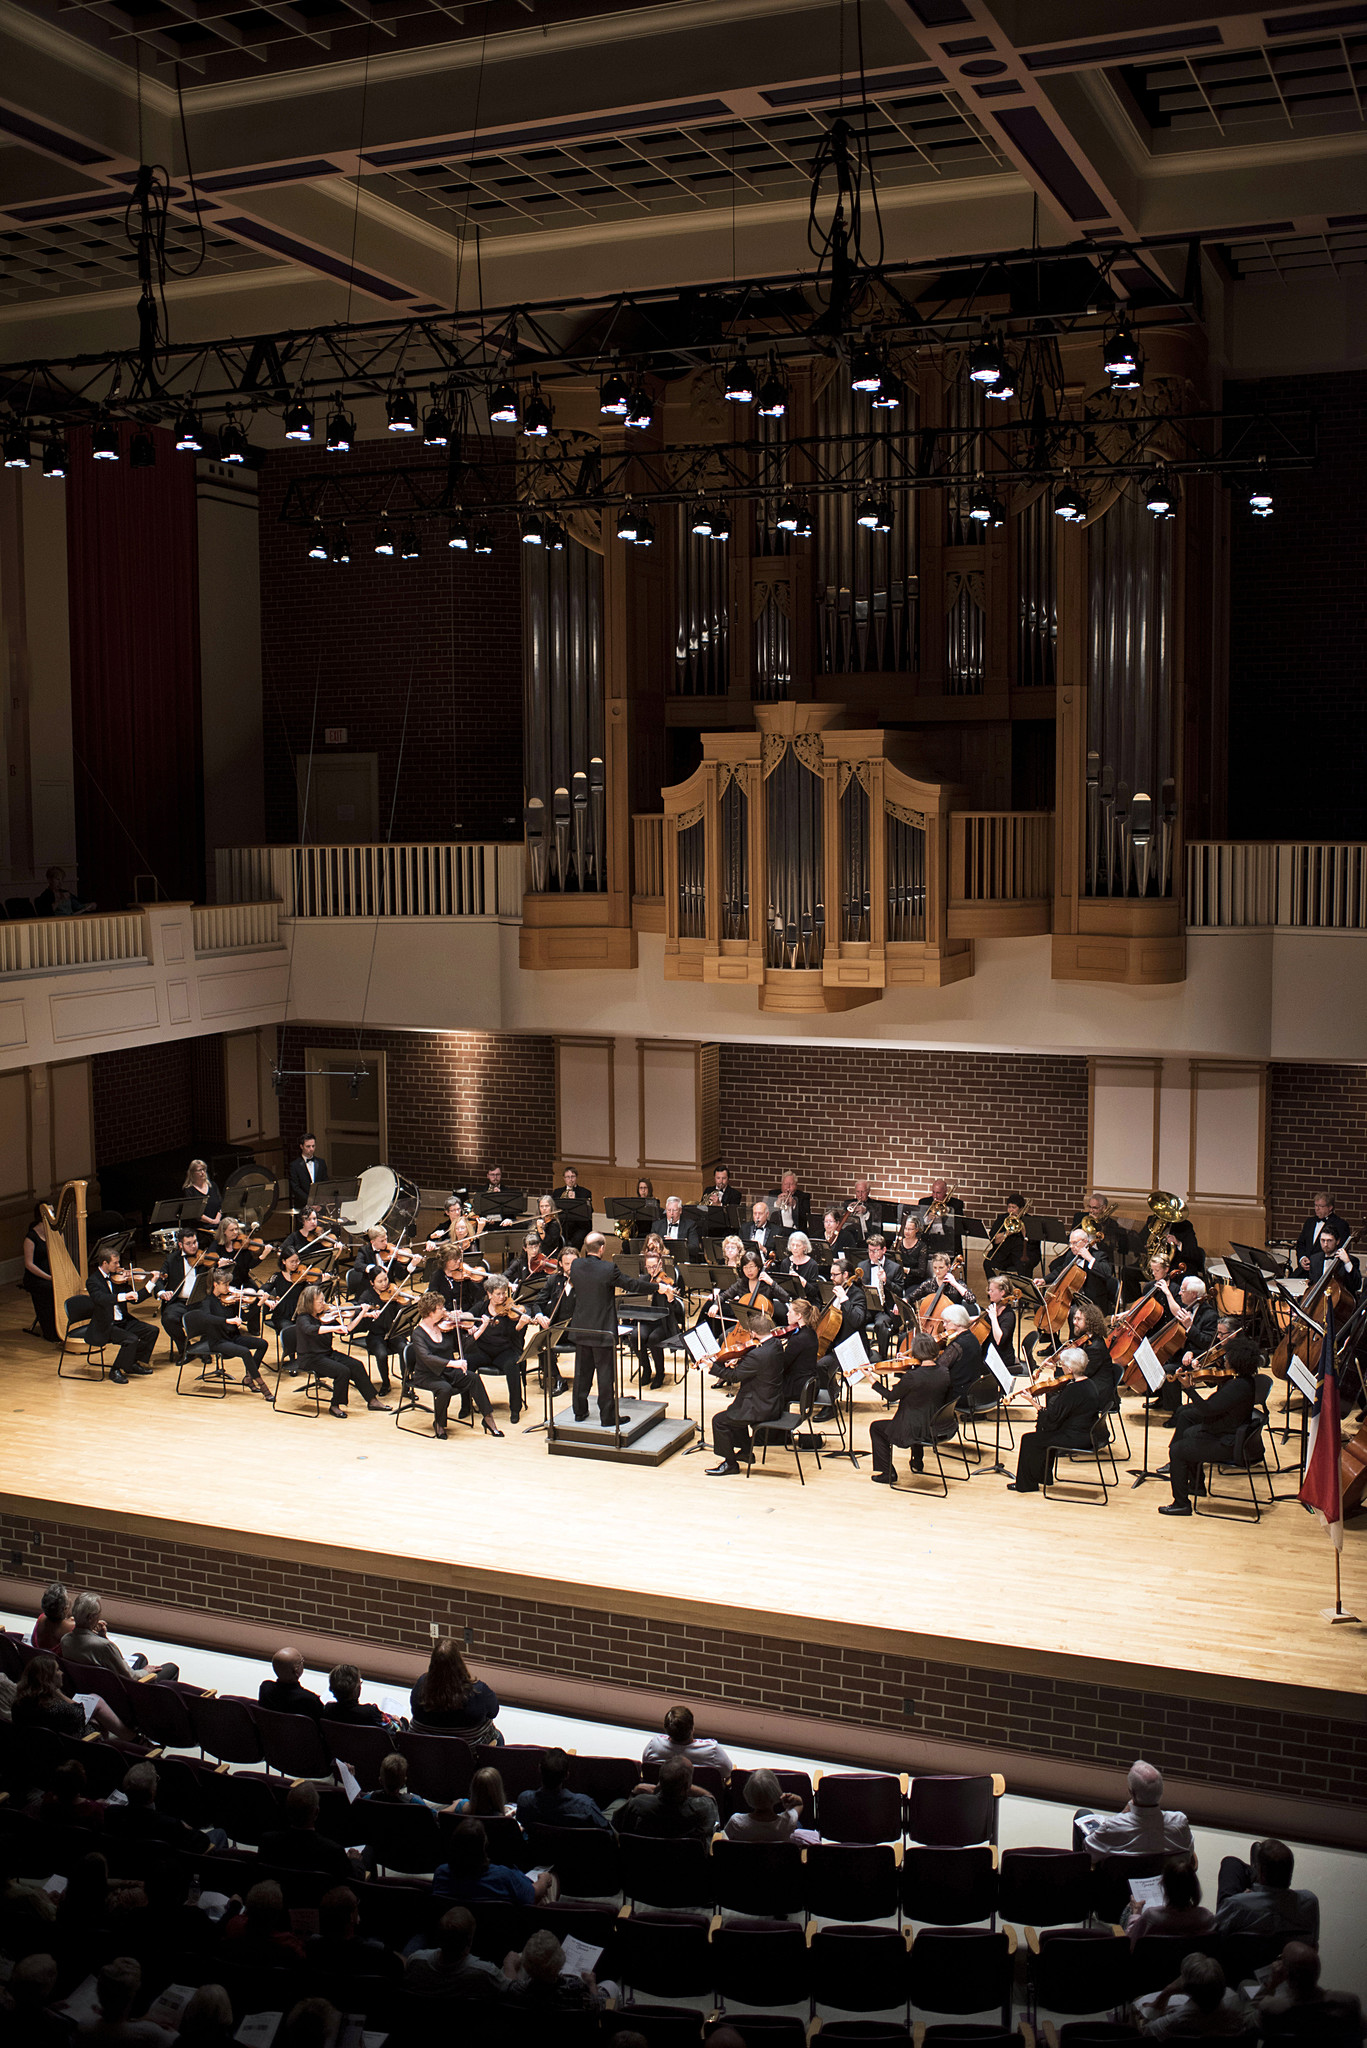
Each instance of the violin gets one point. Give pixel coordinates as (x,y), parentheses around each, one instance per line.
(739,1341)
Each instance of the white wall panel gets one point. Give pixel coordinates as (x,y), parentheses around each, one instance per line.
(584,1094)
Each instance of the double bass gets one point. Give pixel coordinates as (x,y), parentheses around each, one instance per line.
(1304,1339)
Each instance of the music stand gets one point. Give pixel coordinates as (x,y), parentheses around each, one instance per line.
(1250,1280)
(329,1195)
(175,1215)
(1042,1230)
(1264,1261)
(237,1201)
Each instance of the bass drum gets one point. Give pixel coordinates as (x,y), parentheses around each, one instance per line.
(383,1197)
(256,1190)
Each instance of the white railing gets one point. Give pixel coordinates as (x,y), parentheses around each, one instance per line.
(33,946)
(222,927)
(442,879)
(1242,885)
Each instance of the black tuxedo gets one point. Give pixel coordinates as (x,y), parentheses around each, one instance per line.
(112,1323)
(771,1240)
(302,1182)
(1205,1430)
(871,1217)
(801,1210)
(721,1198)
(882,1316)
(941,1232)
(593,1332)
(687,1246)
(1099,1286)
(1071,1414)
(919,1396)
(1348,1275)
(1309,1235)
(1016,1253)
(759,1372)
(174,1274)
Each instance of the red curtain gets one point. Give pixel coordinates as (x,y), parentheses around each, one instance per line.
(133,582)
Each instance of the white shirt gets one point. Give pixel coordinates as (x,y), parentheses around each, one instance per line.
(699,1751)
(312,1165)
(1140,1830)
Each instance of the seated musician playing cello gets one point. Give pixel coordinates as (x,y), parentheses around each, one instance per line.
(1099,1285)
(1070,1414)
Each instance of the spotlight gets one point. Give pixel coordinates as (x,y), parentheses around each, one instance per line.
(537,418)
(319,551)
(459,535)
(189,433)
(889,394)
(401,411)
(740,381)
(1260,492)
(1160,494)
(1070,504)
(1120,357)
(985,508)
(613,399)
(773,395)
(867,512)
(341,548)
(788,516)
(142,450)
(640,407)
(645,532)
(628,523)
(436,425)
(232,442)
(104,441)
(885,520)
(1005,386)
(503,405)
(298,422)
(721,524)
(55,457)
(18,448)
(986,360)
(866,368)
(410,547)
(803,528)
(529,526)
(384,538)
(341,431)
(555,536)
(701,520)
(484,540)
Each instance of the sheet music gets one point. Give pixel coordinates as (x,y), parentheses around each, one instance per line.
(1301,1378)
(1147,1359)
(701,1342)
(854,1359)
(998,1368)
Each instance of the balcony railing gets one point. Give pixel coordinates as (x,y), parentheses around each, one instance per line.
(37,946)
(227,927)
(440,879)
(1256,885)
(1001,873)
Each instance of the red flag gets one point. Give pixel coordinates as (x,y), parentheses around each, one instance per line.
(1322,1487)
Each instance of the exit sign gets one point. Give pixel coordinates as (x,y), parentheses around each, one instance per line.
(334,735)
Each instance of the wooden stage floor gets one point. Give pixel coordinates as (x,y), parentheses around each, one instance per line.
(986,1576)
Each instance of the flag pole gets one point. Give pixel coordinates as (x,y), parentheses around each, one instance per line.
(1336,1612)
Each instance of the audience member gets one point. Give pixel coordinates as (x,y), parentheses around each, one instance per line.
(392,1789)
(285,1694)
(449,1701)
(672,1810)
(1181,1911)
(260,1936)
(1256,1897)
(139,1820)
(486,1799)
(207,2021)
(116,1990)
(39,1701)
(1291,1999)
(346,1704)
(1209,2007)
(539,1982)
(88,1643)
(1141,1827)
(467,1876)
(313,2023)
(339,1949)
(679,1739)
(65,1800)
(552,1805)
(7,1692)
(298,1845)
(28,2022)
(449,1970)
(771,1813)
(54,1619)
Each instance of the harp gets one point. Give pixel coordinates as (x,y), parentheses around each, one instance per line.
(66,1246)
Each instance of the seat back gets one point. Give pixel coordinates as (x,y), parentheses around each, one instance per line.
(363,1749)
(859,1969)
(224,1728)
(851,1880)
(1111,1879)
(399,1837)
(789,1781)
(760,1962)
(666,1873)
(859,1806)
(666,1954)
(160,1713)
(1156,1959)
(291,1744)
(1082,1969)
(585,1860)
(961,1969)
(1045,1887)
(949,1811)
(605,1778)
(518,1764)
(948,1887)
(760,1878)
(440,1767)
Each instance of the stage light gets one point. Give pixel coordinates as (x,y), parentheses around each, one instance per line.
(645,532)
(700,521)
(459,535)
(503,405)
(628,523)
(1120,357)
(1005,386)
(55,457)
(986,361)
(537,418)
(721,523)
(889,394)
(613,399)
(1069,504)
(18,448)
(142,450)
(1260,492)
(384,538)
(104,441)
(401,411)
(436,425)
(319,551)
(773,395)
(555,536)
(341,431)
(189,433)
(232,442)
(530,528)
(640,408)
(885,518)
(341,548)
(866,369)
(867,512)
(740,381)
(980,504)
(788,516)
(410,547)
(1160,494)
(484,540)
(298,422)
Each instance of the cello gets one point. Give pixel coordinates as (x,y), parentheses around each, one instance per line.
(1300,1338)
(1128,1330)
(1058,1297)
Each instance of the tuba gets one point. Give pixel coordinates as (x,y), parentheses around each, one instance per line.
(1164,1211)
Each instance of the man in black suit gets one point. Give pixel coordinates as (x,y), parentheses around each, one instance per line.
(1071,1413)
(940,1230)
(919,1395)
(1099,1286)
(305,1171)
(593,1328)
(861,1211)
(789,1205)
(680,1235)
(760,1231)
(1329,1252)
(721,1194)
(112,1322)
(285,1692)
(1016,1253)
(1324,1218)
(576,1208)
(182,1286)
(761,1373)
(882,1276)
(1205,1430)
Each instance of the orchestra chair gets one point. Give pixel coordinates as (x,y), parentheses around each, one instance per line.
(440,1767)
(762,1963)
(80,1311)
(503,1833)
(994,1405)
(944,1429)
(963,1970)
(1114,1418)
(860,1806)
(949,1887)
(1100,1446)
(403,1838)
(159,1709)
(666,1873)
(1046,1887)
(784,1430)
(313,1386)
(362,1749)
(860,1969)
(208,1368)
(291,1744)
(762,1880)
(1248,1456)
(666,1955)
(949,1810)
(409,1401)
(586,1861)
(1077,1970)
(854,1881)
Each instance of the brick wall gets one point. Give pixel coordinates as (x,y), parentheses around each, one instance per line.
(457,1101)
(989,1122)
(1298,622)
(151,1098)
(1214,1742)
(1317,1138)
(441,636)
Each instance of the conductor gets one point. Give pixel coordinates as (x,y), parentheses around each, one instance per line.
(594,1281)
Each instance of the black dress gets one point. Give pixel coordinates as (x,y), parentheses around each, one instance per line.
(40,1290)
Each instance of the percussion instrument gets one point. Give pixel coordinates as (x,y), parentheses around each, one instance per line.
(384,1197)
